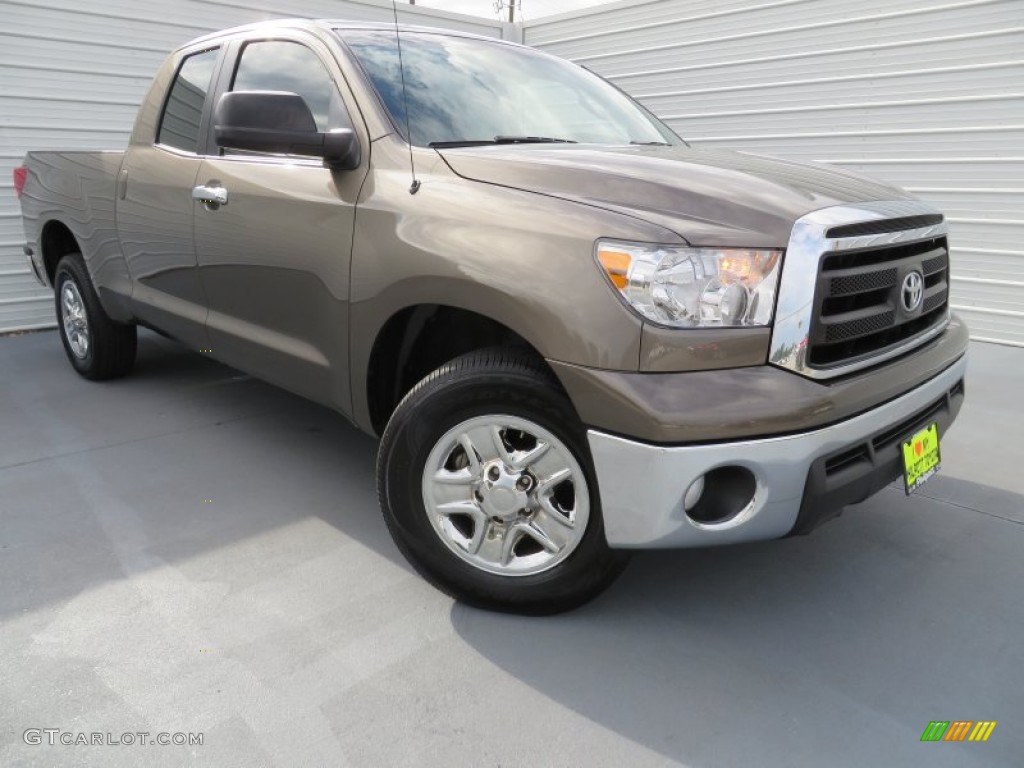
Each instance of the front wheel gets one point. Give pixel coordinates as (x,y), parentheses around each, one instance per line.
(486,484)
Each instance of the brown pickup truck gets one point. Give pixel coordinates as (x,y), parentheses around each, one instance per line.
(576,334)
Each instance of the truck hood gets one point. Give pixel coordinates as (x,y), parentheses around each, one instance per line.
(707,197)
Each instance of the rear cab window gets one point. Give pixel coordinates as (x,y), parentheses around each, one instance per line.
(182,116)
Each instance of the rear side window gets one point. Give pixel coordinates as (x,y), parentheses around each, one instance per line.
(281,65)
(179,124)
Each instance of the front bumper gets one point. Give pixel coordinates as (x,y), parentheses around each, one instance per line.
(800,479)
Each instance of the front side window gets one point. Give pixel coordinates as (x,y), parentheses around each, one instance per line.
(281,65)
(179,124)
(463,89)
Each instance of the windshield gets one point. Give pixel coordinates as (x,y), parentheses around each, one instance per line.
(463,90)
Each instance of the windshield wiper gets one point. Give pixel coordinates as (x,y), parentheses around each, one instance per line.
(498,140)
(651,143)
(460,143)
(530,140)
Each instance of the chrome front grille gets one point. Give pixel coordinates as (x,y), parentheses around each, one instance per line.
(859,303)
(861,284)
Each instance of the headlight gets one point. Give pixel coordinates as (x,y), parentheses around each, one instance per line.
(693,287)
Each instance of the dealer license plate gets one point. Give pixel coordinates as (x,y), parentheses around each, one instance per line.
(921,458)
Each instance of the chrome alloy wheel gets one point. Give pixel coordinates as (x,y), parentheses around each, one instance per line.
(74,319)
(506,495)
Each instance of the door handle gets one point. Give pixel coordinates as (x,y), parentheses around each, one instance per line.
(210,195)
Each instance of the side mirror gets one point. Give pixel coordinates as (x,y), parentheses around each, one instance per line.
(280,122)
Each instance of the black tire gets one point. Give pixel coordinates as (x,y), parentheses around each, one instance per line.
(110,352)
(481,384)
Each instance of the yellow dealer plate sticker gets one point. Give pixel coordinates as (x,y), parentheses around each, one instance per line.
(921,458)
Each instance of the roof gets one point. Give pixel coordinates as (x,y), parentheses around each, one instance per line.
(324,25)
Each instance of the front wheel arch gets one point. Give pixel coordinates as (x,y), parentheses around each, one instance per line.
(419,339)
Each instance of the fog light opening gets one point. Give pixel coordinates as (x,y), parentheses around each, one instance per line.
(723,493)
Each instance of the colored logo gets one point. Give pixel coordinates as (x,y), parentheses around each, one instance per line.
(921,457)
(958,730)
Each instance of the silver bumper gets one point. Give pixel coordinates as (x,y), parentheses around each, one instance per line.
(642,485)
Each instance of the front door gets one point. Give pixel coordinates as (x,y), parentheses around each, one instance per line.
(274,253)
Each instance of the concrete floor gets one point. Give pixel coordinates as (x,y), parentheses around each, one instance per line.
(189,549)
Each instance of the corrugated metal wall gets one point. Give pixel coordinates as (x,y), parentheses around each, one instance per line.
(72,73)
(924,93)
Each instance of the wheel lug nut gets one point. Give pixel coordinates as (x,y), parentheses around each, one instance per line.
(493,473)
(524,483)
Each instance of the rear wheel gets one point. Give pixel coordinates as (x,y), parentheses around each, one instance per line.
(96,346)
(486,484)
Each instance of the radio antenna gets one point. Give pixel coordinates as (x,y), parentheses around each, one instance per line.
(415,186)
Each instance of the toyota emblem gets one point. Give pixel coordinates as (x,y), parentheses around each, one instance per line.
(913,291)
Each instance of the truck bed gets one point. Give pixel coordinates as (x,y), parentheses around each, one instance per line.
(80,188)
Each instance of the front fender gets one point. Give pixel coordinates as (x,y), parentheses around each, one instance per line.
(521,259)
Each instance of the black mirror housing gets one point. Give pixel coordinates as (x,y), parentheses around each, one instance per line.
(341,149)
(282,123)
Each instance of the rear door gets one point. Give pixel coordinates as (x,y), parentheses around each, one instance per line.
(274,258)
(155,210)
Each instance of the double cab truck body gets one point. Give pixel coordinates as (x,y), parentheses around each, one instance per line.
(575,334)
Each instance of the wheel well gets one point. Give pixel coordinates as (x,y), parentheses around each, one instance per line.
(420,339)
(56,242)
